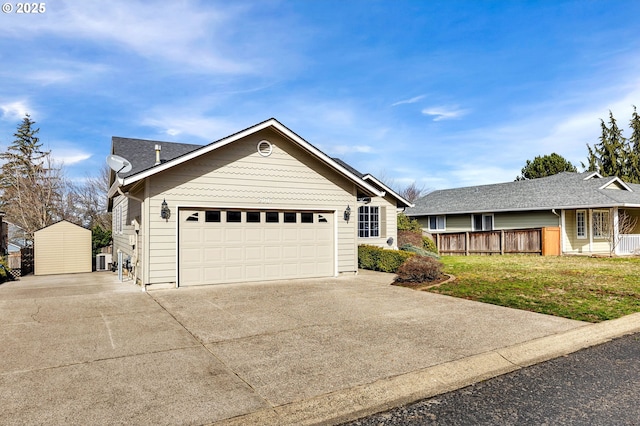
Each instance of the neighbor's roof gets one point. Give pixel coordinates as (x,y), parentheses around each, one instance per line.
(141,154)
(562,191)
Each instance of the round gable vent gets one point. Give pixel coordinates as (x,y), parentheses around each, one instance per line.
(265,148)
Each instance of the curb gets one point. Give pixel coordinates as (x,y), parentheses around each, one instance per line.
(360,401)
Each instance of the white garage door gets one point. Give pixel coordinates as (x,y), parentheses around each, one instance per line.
(225,246)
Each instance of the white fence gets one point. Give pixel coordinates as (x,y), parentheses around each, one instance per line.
(629,244)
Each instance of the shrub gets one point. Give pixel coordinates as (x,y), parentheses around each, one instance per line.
(409,237)
(406,224)
(419,269)
(380,259)
(429,245)
(419,251)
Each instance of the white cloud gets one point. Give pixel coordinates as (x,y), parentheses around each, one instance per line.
(409,101)
(445,113)
(183,33)
(15,110)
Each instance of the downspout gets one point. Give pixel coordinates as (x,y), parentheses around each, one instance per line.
(127,195)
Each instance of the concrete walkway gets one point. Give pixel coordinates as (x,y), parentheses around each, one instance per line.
(86,349)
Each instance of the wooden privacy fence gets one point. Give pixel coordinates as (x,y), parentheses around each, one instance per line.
(542,241)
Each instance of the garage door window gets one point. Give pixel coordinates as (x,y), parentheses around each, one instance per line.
(234,217)
(306,217)
(289,217)
(253,217)
(212,216)
(272,217)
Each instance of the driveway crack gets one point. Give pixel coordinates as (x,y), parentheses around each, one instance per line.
(220,360)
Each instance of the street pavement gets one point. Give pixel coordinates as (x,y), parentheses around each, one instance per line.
(594,386)
(87,349)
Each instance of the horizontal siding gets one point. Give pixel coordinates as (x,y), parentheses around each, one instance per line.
(575,245)
(238,176)
(388,223)
(526,220)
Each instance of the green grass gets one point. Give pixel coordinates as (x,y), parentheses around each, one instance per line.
(580,288)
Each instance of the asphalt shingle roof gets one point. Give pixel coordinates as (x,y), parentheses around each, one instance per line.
(141,153)
(564,190)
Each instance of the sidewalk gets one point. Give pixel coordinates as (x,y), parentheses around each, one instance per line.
(85,348)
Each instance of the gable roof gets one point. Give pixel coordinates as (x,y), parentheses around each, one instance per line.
(561,191)
(369,177)
(141,153)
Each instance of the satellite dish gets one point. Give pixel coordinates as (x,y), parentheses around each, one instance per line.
(118,164)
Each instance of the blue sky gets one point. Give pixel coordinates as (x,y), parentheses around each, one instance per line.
(444,93)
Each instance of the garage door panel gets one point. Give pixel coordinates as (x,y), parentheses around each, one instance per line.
(233,254)
(253,272)
(253,254)
(253,235)
(233,235)
(220,252)
(290,252)
(212,254)
(212,235)
(272,253)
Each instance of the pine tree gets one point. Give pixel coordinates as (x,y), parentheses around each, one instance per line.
(634,147)
(30,185)
(613,154)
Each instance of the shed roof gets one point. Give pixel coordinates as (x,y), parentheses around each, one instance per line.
(561,191)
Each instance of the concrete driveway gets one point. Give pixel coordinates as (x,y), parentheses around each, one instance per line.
(86,349)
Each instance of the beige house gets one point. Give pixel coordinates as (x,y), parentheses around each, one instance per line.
(595,214)
(261,204)
(62,248)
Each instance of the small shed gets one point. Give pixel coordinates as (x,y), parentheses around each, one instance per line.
(62,248)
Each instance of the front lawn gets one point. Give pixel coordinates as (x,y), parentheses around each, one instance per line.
(580,288)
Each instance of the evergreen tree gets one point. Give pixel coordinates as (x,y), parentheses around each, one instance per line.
(29,185)
(614,155)
(546,165)
(634,147)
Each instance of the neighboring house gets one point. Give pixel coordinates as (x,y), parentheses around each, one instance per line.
(261,204)
(587,207)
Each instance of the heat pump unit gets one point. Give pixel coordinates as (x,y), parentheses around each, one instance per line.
(103,261)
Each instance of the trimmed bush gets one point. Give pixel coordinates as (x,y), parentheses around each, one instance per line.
(420,269)
(429,245)
(419,251)
(380,259)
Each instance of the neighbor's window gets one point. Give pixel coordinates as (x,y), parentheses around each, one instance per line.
(436,223)
(368,221)
(483,222)
(601,224)
(581,224)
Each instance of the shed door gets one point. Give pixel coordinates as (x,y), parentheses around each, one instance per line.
(225,246)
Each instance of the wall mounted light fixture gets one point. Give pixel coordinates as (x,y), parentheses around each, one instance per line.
(165,213)
(347,213)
